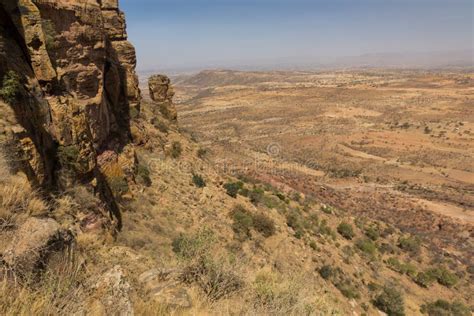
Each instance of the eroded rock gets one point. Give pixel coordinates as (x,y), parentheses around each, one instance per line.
(161,92)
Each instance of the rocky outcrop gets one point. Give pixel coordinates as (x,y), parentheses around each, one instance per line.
(33,243)
(78,82)
(161,92)
(75,90)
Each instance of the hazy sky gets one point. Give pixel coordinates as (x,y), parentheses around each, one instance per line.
(206,33)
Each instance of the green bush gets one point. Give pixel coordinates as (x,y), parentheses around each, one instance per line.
(425,279)
(367,246)
(346,230)
(410,244)
(199,181)
(176,150)
(264,225)
(372,233)
(193,246)
(444,308)
(340,280)
(326,272)
(11,87)
(390,301)
(242,222)
(403,268)
(143,174)
(294,220)
(232,188)
(443,276)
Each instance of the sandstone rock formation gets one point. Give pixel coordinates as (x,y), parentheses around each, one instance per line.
(161,92)
(78,82)
(75,90)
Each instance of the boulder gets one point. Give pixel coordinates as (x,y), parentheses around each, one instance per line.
(33,243)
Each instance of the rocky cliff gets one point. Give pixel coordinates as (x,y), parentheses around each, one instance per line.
(76,88)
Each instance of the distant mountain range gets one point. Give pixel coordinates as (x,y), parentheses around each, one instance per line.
(405,60)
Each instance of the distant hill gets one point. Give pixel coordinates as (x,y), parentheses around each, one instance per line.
(400,60)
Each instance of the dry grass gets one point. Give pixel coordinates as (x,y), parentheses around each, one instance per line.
(18,200)
(55,291)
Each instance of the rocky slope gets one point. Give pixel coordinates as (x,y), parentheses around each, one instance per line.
(108,207)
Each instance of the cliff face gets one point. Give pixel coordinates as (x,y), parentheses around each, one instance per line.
(77,86)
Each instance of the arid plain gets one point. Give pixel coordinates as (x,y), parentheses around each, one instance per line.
(390,145)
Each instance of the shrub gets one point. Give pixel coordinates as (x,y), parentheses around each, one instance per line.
(294,220)
(202,152)
(324,229)
(199,181)
(410,244)
(11,87)
(243,222)
(367,246)
(143,174)
(232,188)
(118,185)
(193,246)
(403,268)
(425,279)
(176,150)
(340,281)
(443,276)
(346,230)
(390,301)
(444,308)
(326,272)
(256,196)
(372,233)
(215,280)
(348,289)
(264,225)
(313,245)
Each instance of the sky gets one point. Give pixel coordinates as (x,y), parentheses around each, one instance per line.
(218,33)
